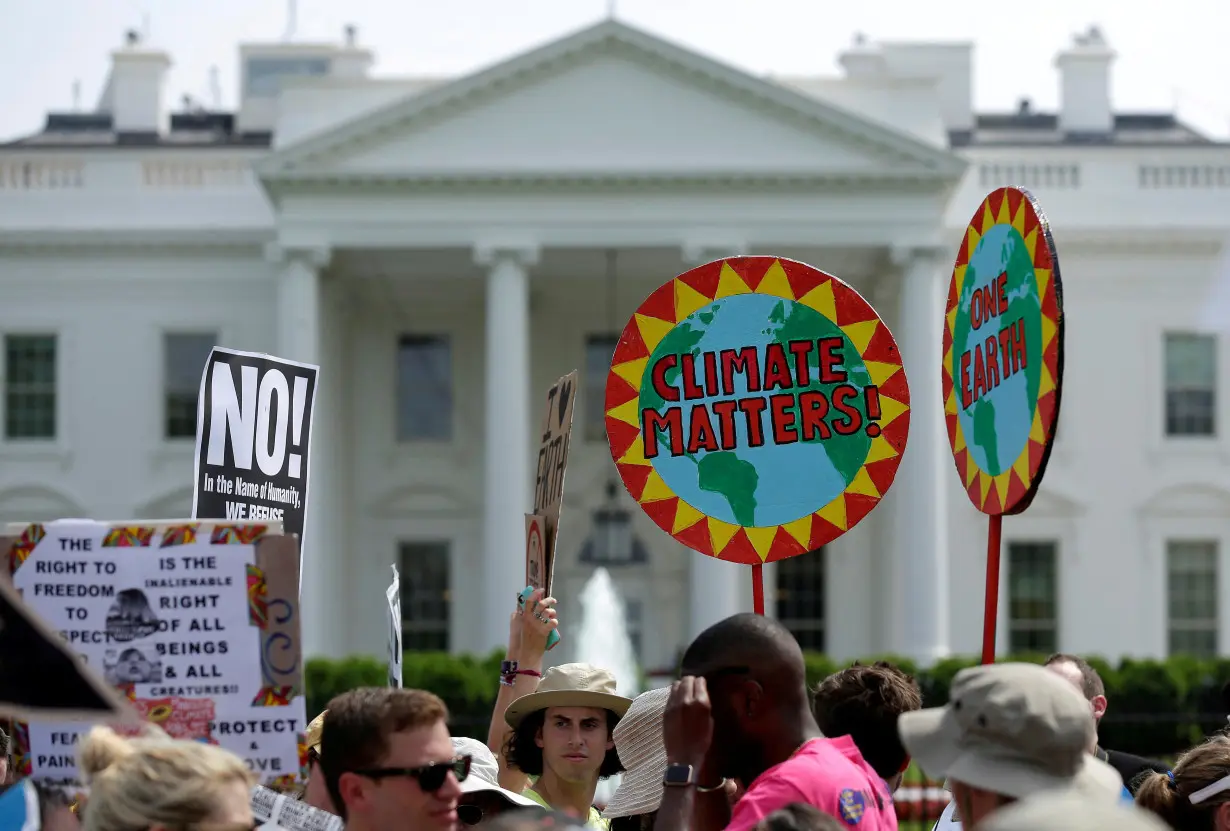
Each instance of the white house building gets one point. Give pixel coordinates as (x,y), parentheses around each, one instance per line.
(446,248)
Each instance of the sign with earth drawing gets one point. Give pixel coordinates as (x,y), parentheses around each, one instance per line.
(756,408)
(1003,352)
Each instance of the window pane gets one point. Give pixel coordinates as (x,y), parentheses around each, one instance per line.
(598,352)
(424,388)
(1033,597)
(1191,596)
(1191,385)
(184,357)
(30,387)
(425,596)
(800,597)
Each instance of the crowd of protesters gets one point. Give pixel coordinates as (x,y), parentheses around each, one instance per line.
(738,742)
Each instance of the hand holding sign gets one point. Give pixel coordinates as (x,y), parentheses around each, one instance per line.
(538,623)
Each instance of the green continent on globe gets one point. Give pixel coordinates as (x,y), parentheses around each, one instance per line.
(725,473)
(1021,289)
(847,453)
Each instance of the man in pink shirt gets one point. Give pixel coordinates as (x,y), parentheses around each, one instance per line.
(741,712)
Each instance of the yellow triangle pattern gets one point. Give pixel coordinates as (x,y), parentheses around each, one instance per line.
(1031,240)
(1021,466)
(729,283)
(761,539)
(1046,382)
(652,330)
(971,473)
(721,533)
(688,300)
(1001,487)
(775,282)
(880,450)
(950,405)
(984,487)
(952,318)
(863,485)
(655,489)
(635,454)
(800,530)
(1049,329)
(629,412)
(972,238)
(821,299)
(1018,219)
(959,444)
(890,410)
(1005,214)
(835,512)
(958,276)
(988,218)
(1036,433)
(880,371)
(685,517)
(1045,281)
(860,334)
(632,371)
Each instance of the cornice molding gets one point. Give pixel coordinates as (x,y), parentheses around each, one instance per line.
(179,242)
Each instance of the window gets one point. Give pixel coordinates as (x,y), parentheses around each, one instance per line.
(1191,385)
(424,388)
(598,352)
(265,74)
(1033,597)
(1191,597)
(30,387)
(801,605)
(184,357)
(425,596)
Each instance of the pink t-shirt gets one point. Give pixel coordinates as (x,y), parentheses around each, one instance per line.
(829,774)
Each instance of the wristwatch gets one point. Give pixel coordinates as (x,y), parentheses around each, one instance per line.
(679,776)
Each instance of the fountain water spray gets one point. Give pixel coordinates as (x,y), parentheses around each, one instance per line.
(603,641)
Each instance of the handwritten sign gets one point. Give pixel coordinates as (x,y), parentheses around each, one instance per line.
(549,480)
(196,624)
(253,433)
(1003,352)
(756,408)
(393,595)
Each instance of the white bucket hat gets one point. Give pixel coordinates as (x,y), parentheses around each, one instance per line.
(485,772)
(638,740)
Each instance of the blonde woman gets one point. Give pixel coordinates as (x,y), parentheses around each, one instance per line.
(161,784)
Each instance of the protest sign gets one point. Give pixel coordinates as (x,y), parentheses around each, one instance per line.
(393,594)
(254,429)
(535,551)
(197,624)
(757,409)
(552,462)
(281,811)
(41,678)
(1003,352)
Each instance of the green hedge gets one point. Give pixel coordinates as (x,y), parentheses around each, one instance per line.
(1156,708)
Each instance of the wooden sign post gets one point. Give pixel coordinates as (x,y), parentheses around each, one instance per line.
(1002,366)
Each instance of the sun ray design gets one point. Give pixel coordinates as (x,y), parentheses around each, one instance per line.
(1011,489)
(688,298)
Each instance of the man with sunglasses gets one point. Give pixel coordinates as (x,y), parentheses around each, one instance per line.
(389,763)
(741,711)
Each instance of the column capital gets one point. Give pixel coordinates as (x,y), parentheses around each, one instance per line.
(315,256)
(903,256)
(699,252)
(524,254)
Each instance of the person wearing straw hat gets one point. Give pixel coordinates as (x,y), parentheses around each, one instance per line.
(562,737)
(482,798)
(638,741)
(315,792)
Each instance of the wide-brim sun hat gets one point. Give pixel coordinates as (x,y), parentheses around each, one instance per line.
(570,685)
(638,740)
(485,772)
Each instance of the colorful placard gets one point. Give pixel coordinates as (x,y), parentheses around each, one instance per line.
(1003,352)
(756,408)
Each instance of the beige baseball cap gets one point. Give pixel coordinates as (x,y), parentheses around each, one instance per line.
(1071,811)
(1011,729)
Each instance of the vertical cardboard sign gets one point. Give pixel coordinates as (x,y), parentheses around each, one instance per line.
(393,594)
(552,461)
(254,428)
(535,551)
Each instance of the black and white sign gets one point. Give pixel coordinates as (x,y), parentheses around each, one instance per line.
(393,594)
(254,428)
(277,810)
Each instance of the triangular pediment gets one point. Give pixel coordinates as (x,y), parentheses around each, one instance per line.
(611,101)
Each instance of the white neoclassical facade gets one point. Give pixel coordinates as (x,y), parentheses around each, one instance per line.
(446,248)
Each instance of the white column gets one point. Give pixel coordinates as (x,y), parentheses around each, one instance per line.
(716,589)
(920,517)
(299,339)
(507,493)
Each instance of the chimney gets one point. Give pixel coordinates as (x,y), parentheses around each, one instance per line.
(351,60)
(135,89)
(1084,85)
(863,59)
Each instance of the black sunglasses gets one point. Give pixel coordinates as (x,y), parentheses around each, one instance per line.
(429,777)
